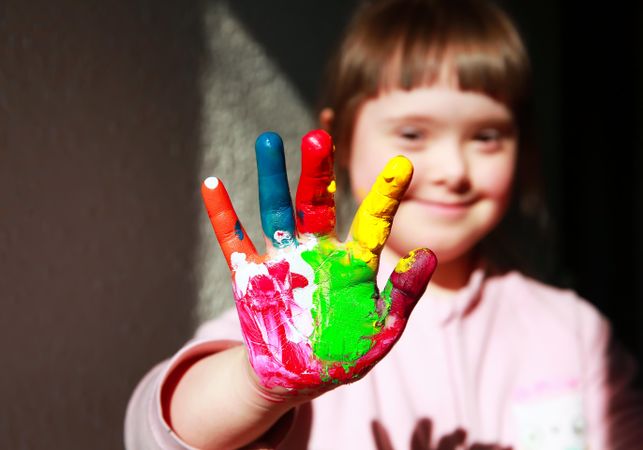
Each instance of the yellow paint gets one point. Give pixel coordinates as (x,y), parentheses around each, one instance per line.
(405,264)
(372,223)
(332,187)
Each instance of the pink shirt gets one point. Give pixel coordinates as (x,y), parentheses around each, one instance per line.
(509,360)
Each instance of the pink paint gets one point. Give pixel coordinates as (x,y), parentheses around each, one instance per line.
(266,313)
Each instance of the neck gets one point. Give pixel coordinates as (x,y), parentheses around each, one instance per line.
(450,276)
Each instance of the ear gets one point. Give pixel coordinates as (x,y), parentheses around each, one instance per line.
(326,117)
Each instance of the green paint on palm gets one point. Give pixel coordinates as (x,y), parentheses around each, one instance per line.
(345,312)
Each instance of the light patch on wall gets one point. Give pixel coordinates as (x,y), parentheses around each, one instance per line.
(244,94)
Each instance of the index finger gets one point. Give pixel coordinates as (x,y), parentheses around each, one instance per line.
(374,218)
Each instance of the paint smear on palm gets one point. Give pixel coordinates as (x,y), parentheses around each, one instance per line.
(345,305)
(308,313)
(312,314)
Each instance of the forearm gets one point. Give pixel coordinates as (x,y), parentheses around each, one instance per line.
(217,404)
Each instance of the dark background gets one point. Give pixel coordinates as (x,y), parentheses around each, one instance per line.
(99,141)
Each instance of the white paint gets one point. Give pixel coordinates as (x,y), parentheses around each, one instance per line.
(211,182)
(283,237)
(244,270)
(303,297)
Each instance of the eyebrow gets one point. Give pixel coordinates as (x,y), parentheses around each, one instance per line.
(416,118)
(497,121)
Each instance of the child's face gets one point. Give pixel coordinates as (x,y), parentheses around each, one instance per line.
(463,148)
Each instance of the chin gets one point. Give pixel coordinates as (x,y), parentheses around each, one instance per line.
(446,246)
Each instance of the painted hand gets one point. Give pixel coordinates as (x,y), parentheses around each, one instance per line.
(310,310)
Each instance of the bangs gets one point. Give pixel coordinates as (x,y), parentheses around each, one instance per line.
(418,44)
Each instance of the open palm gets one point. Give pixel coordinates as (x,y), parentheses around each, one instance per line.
(310,310)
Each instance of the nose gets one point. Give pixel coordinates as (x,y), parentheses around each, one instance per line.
(446,164)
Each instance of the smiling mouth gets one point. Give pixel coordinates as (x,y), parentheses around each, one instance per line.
(444,208)
(443,204)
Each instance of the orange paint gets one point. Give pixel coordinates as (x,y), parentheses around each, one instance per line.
(225,222)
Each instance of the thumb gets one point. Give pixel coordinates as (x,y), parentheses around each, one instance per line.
(408,281)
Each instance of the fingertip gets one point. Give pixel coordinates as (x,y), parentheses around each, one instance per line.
(268,140)
(211,183)
(413,272)
(269,151)
(317,141)
(213,191)
(398,171)
(420,260)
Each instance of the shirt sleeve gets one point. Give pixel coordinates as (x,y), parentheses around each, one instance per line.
(614,406)
(146,420)
(147,424)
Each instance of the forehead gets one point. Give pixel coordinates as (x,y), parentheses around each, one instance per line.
(441,102)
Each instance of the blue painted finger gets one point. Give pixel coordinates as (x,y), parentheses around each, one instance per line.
(275,205)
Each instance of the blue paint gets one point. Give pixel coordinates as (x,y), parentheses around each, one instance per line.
(275,205)
(238,230)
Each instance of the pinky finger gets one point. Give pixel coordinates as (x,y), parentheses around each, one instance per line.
(408,282)
(230,233)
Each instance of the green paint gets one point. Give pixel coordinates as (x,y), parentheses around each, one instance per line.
(344,313)
(386,295)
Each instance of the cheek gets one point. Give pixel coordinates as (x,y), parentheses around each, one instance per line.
(359,176)
(364,165)
(494,179)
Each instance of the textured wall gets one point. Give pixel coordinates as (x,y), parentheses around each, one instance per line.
(244,94)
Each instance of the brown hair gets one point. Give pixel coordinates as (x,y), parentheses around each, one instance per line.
(410,43)
(407,43)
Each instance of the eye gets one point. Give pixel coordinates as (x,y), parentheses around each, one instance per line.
(488,135)
(410,134)
(489,139)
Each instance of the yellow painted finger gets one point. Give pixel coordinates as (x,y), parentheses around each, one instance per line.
(374,218)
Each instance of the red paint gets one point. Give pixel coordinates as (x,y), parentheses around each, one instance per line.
(315,205)
(409,286)
(266,313)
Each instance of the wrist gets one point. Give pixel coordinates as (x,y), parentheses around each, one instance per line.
(253,392)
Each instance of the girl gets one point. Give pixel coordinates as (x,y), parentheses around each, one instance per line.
(490,358)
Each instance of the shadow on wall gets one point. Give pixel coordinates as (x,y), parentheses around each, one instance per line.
(101,105)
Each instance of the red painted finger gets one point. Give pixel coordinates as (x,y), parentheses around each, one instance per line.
(408,282)
(315,201)
(230,233)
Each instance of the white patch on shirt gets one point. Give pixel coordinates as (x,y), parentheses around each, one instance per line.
(552,422)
